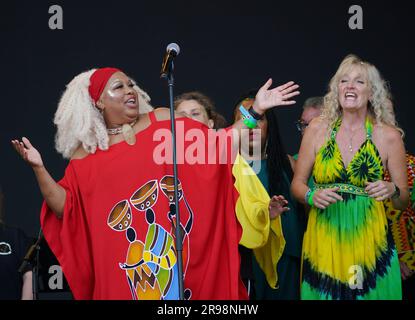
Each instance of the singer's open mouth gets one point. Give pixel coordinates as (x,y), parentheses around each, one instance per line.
(132,102)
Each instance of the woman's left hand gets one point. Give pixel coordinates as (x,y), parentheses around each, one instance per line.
(277,205)
(279,96)
(380,190)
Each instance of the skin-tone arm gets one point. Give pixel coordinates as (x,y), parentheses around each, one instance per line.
(324,197)
(52,192)
(396,163)
(293,162)
(27,292)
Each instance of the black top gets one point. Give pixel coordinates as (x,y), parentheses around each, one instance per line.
(13,247)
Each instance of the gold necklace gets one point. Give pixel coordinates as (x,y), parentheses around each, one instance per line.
(351,138)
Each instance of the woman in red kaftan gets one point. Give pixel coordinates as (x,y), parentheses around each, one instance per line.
(110,219)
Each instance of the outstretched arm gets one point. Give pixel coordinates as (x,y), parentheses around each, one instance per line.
(52,192)
(27,292)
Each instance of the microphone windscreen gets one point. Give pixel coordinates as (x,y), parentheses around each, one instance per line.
(173,47)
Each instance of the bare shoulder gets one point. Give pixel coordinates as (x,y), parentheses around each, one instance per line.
(80,153)
(315,134)
(388,134)
(163,113)
(317,125)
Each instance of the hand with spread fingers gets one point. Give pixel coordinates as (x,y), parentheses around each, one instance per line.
(324,197)
(277,206)
(28,152)
(280,96)
(380,190)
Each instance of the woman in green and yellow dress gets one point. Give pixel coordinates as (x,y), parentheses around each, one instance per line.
(348,251)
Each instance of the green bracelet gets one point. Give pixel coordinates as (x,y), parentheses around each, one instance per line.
(249,123)
(310,198)
(248,120)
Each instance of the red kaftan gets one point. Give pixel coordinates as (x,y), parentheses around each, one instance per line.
(116,241)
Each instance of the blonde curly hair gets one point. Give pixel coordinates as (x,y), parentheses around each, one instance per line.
(79,122)
(379,105)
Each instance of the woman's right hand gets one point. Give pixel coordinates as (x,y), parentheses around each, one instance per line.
(28,152)
(322,198)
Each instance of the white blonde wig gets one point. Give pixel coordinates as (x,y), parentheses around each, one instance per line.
(79,121)
(379,105)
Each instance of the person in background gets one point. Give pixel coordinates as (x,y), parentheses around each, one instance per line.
(311,109)
(13,247)
(199,107)
(275,174)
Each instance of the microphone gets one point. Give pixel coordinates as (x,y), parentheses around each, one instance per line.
(172,51)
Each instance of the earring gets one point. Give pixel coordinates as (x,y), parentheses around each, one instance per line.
(97,105)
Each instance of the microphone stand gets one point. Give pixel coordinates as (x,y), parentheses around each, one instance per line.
(33,254)
(179,241)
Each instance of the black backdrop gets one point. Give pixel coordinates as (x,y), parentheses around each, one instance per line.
(226,49)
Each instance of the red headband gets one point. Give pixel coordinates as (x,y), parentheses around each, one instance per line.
(98,80)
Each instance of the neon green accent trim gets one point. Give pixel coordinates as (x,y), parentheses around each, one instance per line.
(310,198)
(343,187)
(250,123)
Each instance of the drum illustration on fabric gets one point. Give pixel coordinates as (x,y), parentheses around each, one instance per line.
(151,260)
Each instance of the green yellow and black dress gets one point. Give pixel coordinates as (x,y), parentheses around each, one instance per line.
(348,251)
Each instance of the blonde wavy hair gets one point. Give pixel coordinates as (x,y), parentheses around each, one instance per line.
(79,121)
(379,106)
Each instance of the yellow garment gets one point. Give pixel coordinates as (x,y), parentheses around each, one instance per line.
(252,211)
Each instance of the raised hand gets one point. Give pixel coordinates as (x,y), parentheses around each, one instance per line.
(267,98)
(324,197)
(28,152)
(53,193)
(277,205)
